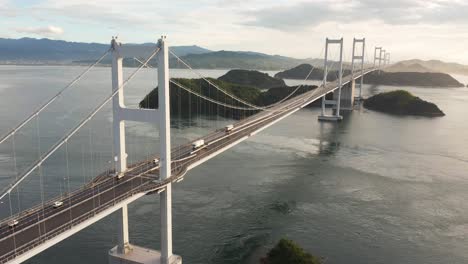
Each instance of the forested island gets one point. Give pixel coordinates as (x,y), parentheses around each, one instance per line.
(401,102)
(252,78)
(246,85)
(300,73)
(423,79)
(288,252)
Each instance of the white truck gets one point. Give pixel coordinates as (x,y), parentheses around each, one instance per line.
(228,128)
(197,144)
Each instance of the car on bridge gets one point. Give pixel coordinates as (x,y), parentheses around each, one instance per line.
(13,223)
(57,204)
(228,128)
(197,144)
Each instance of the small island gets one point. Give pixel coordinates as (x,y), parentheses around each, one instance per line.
(418,77)
(401,102)
(300,73)
(421,79)
(246,85)
(288,252)
(252,78)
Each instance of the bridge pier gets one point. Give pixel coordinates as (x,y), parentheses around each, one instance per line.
(336,102)
(124,252)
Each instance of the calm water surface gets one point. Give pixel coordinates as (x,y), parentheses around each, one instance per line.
(374,188)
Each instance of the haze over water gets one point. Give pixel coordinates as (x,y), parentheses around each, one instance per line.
(374,188)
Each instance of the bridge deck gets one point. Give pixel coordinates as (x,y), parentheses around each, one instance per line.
(38,225)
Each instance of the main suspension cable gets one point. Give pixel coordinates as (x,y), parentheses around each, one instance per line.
(74,130)
(211,83)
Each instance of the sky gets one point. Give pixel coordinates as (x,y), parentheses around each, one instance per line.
(424,29)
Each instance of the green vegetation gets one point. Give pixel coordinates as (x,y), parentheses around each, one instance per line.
(401,102)
(186,104)
(423,79)
(300,73)
(288,252)
(252,78)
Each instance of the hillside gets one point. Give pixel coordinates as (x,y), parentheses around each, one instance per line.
(401,102)
(252,78)
(30,50)
(300,73)
(402,67)
(422,79)
(47,51)
(192,105)
(241,60)
(439,66)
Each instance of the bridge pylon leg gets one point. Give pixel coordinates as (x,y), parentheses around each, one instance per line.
(337,102)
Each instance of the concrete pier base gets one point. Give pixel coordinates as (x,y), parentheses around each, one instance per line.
(326,118)
(140,255)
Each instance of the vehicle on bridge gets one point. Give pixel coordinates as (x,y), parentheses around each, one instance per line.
(57,204)
(228,128)
(197,144)
(155,161)
(13,223)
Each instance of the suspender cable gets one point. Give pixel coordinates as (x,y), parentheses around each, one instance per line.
(211,83)
(73,131)
(51,100)
(211,100)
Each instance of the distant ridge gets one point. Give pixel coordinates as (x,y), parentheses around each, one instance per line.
(47,51)
(402,67)
(31,50)
(438,66)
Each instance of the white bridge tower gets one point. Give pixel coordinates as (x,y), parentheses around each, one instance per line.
(336,102)
(124,252)
(360,58)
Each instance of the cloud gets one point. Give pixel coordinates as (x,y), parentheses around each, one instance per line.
(42,31)
(6,9)
(396,12)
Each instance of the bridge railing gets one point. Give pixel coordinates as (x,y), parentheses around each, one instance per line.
(69,225)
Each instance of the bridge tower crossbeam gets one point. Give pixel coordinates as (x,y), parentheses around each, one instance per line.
(336,113)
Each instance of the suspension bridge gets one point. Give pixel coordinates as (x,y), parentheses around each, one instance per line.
(31,231)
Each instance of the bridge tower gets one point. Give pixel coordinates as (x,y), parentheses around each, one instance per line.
(381,58)
(124,252)
(377,58)
(360,58)
(336,102)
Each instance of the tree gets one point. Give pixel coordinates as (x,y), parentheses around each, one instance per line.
(288,252)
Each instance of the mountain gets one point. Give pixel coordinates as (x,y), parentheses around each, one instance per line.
(243,60)
(30,50)
(47,51)
(439,66)
(402,67)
